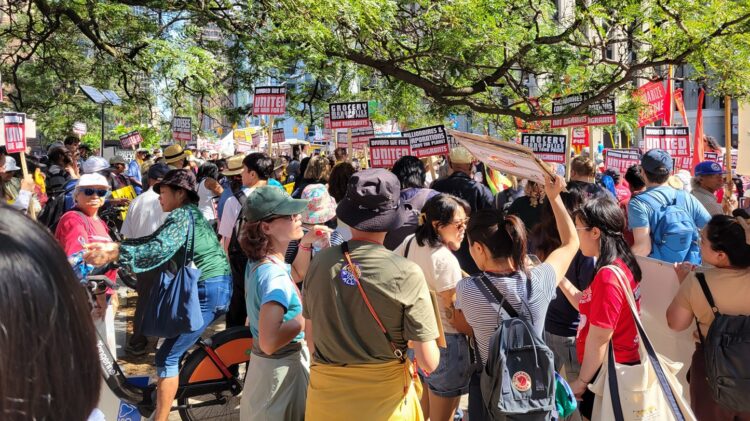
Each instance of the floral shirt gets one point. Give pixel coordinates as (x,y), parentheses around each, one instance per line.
(168,243)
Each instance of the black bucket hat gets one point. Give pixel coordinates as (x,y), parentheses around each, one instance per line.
(372,201)
(184,179)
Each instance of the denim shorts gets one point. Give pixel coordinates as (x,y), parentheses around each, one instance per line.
(451,379)
(214,294)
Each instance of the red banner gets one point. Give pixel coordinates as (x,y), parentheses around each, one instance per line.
(652,95)
(385,151)
(15,132)
(698,138)
(182,129)
(349,115)
(269,100)
(547,147)
(622,159)
(680,103)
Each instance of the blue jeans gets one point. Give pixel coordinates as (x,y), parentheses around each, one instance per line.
(451,379)
(214,294)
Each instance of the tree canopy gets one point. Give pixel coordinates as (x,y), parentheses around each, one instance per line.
(420,59)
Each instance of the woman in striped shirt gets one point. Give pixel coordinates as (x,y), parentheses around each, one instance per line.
(498,246)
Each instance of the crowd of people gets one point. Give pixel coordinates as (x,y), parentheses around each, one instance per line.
(368,292)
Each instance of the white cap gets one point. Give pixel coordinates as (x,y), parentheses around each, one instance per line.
(92,180)
(460,155)
(10,164)
(94,164)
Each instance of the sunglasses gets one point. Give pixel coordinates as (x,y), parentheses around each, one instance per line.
(98,192)
(287,217)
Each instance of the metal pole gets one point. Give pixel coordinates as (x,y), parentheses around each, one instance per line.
(101,146)
(728,142)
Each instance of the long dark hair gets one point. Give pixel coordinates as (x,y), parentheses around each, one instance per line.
(544,236)
(605,214)
(49,367)
(339,180)
(726,235)
(441,208)
(505,237)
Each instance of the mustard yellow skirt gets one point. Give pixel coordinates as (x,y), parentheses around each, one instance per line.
(363,392)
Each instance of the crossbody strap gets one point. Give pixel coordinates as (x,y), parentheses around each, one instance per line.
(408,246)
(497,295)
(353,270)
(710,298)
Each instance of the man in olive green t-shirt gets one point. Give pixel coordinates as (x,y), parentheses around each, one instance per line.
(343,328)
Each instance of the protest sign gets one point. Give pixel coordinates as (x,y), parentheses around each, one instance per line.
(506,157)
(652,96)
(719,157)
(244,147)
(129,140)
(674,140)
(239,135)
(428,141)
(15,132)
(79,128)
(361,135)
(182,129)
(547,147)
(269,100)
(452,142)
(658,287)
(342,139)
(278,135)
(581,136)
(256,138)
(598,113)
(622,159)
(385,151)
(711,156)
(348,115)
(327,121)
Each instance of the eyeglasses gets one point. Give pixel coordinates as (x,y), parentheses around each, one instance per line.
(98,192)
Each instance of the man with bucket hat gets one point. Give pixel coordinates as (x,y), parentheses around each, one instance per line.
(708,179)
(364,304)
(665,221)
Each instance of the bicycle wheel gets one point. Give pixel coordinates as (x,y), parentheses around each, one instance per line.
(219,403)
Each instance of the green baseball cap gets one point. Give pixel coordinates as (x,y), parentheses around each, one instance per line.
(267,201)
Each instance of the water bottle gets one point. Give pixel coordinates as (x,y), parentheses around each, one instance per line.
(322,240)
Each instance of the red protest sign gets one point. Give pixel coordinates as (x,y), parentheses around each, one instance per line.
(674,140)
(15,132)
(278,135)
(327,121)
(349,115)
(269,100)
(256,138)
(652,95)
(385,151)
(428,141)
(622,159)
(361,135)
(581,136)
(128,140)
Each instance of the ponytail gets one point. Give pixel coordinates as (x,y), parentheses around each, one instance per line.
(504,237)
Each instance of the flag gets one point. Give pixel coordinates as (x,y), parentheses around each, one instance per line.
(698,139)
(680,102)
(668,107)
(496,181)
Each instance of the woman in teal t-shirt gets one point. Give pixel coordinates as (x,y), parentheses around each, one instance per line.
(278,374)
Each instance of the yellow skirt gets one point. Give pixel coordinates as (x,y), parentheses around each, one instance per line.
(367,391)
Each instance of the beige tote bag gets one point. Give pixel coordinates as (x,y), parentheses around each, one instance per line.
(648,391)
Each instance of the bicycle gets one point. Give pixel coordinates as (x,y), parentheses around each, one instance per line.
(211,376)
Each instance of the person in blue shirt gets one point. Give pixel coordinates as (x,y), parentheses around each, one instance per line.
(643,215)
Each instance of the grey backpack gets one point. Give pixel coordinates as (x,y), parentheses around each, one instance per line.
(519,375)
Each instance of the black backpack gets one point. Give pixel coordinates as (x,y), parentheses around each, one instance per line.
(55,207)
(519,375)
(726,348)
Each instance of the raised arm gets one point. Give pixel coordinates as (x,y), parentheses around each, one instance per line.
(561,257)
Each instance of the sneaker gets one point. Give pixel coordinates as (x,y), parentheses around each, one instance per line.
(136,350)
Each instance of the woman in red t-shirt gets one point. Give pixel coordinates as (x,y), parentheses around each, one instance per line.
(603,305)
